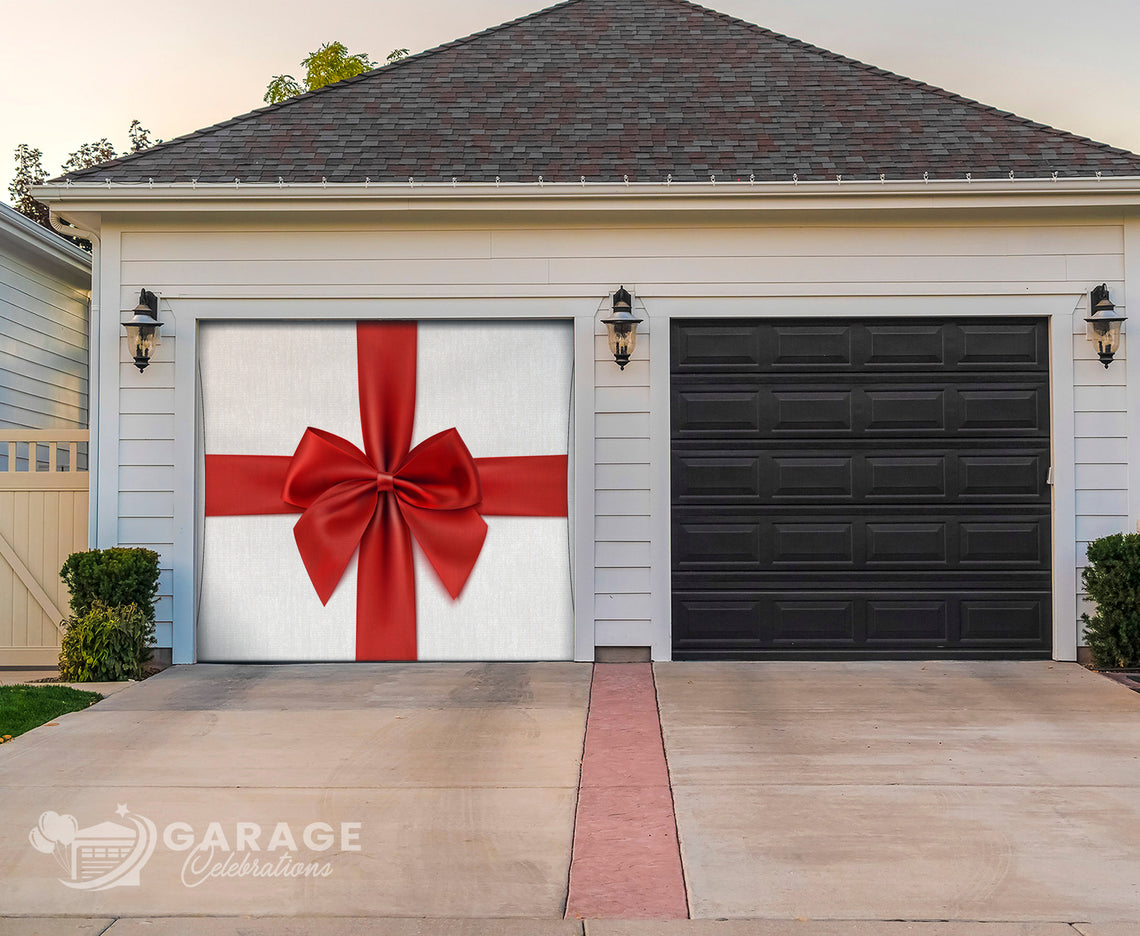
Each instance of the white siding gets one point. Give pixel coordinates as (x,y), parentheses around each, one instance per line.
(146,467)
(1102,425)
(1000,264)
(623,607)
(43,347)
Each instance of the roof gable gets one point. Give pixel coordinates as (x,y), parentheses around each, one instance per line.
(612,88)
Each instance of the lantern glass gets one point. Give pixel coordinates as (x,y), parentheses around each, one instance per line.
(621,327)
(142,339)
(142,329)
(1107,338)
(622,336)
(1103,330)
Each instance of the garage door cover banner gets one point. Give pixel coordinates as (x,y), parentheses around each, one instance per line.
(382,498)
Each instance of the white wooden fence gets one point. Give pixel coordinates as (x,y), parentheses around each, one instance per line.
(43,519)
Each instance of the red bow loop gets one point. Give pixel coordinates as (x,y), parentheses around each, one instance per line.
(439,474)
(322,461)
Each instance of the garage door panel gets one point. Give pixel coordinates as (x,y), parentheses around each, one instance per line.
(795,477)
(720,478)
(745,540)
(906,477)
(1008,476)
(819,544)
(724,621)
(1012,410)
(1006,545)
(925,582)
(725,545)
(717,346)
(899,409)
(926,543)
(808,410)
(896,345)
(871,624)
(1005,619)
(1008,345)
(738,409)
(895,621)
(742,346)
(812,621)
(728,411)
(863,487)
(816,345)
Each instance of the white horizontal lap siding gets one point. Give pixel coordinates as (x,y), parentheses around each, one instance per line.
(623,604)
(43,351)
(1132,369)
(1101,418)
(837,265)
(146,462)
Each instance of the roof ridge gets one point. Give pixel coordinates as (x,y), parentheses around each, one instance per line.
(305,95)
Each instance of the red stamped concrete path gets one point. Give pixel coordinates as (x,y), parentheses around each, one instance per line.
(626,863)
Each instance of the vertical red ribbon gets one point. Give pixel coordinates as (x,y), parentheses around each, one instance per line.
(386,362)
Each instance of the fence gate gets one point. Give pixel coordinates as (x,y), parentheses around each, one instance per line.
(43,519)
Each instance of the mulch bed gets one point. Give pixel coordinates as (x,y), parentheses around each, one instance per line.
(150,670)
(1129,678)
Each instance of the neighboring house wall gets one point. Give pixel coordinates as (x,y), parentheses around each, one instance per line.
(995,263)
(45,288)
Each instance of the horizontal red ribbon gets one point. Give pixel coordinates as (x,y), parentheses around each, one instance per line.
(382,497)
(239,485)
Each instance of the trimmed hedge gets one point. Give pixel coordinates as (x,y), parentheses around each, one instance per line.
(116,576)
(109,634)
(1112,580)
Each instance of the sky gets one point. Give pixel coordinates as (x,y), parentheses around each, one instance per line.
(84,70)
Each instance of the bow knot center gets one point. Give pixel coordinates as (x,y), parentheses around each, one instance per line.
(384,482)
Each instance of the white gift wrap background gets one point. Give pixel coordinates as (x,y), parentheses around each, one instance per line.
(505,386)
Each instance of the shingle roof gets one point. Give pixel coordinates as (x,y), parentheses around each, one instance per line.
(613,88)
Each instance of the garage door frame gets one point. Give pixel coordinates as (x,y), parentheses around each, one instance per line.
(190,313)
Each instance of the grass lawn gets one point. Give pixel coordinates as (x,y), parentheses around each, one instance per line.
(23,708)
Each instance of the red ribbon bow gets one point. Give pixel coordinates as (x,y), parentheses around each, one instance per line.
(380,498)
(340,490)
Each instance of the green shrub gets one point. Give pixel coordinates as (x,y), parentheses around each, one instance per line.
(117,576)
(108,643)
(1112,580)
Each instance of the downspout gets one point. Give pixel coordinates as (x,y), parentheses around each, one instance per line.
(74,230)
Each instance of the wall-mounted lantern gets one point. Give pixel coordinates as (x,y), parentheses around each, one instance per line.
(1103,327)
(142,328)
(621,327)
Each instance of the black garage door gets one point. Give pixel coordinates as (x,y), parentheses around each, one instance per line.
(872,488)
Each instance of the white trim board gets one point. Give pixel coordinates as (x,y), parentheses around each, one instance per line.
(103,454)
(1132,360)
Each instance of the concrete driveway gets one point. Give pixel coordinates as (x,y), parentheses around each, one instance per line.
(998,798)
(447,790)
(905,791)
